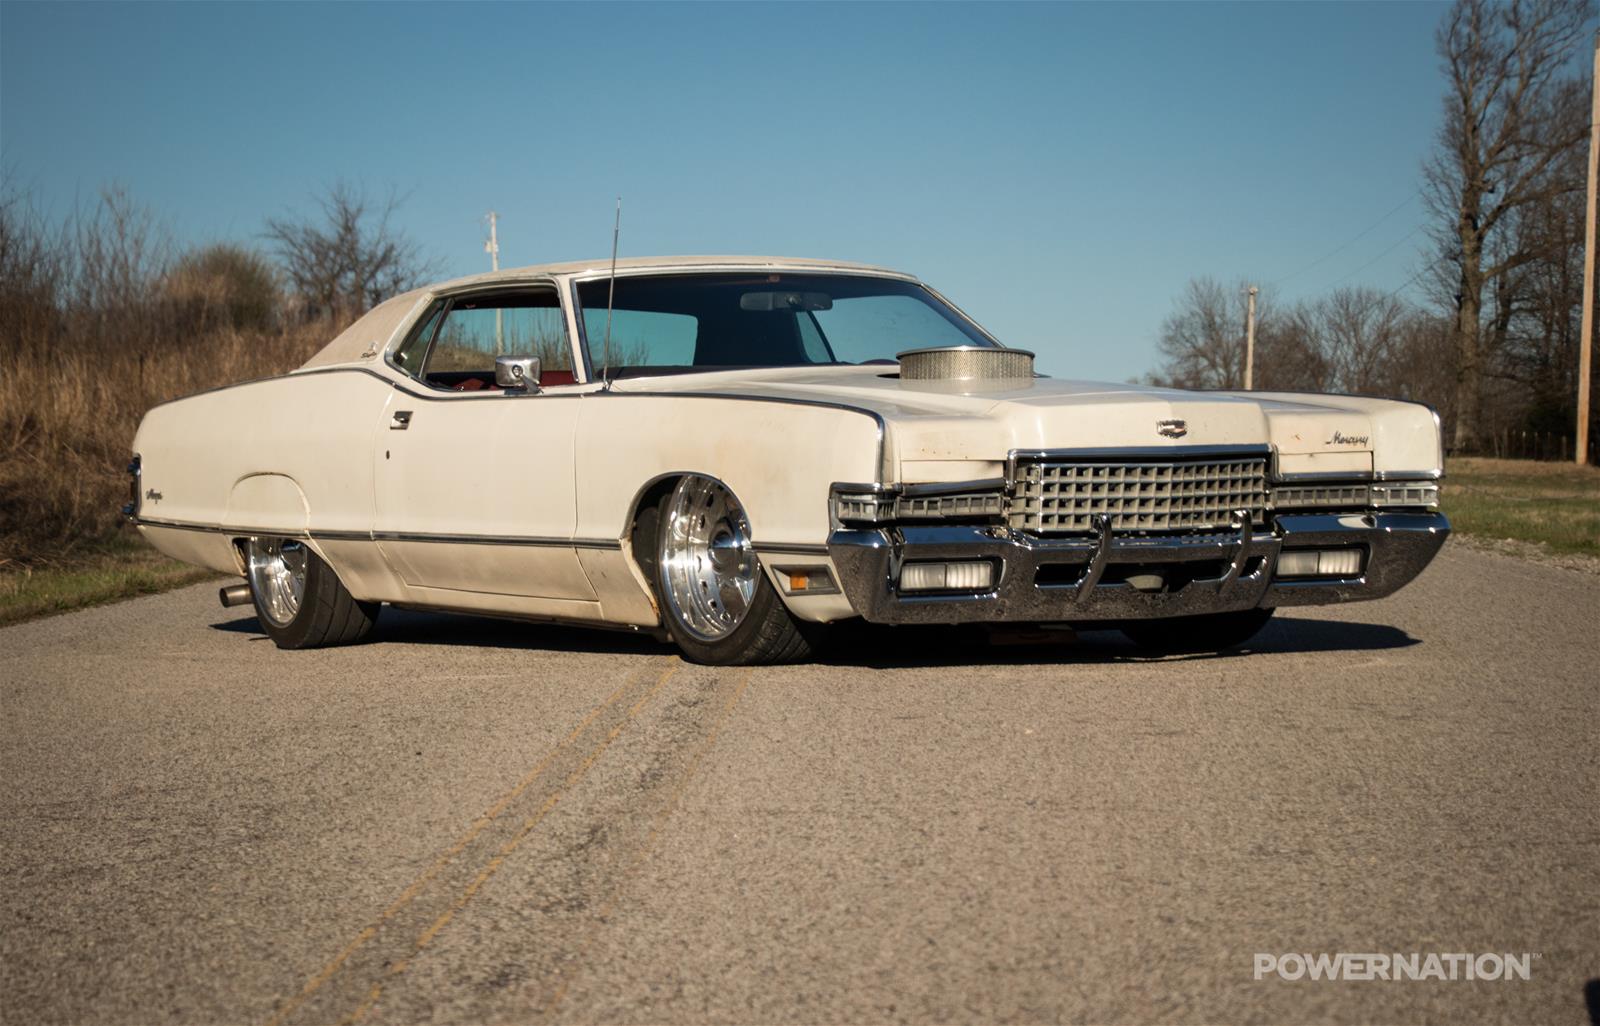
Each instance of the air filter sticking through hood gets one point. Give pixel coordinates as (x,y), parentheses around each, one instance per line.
(965,363)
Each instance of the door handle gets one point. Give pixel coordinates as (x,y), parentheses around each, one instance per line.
(399,420)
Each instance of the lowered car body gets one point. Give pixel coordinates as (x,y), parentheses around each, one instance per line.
(733,454)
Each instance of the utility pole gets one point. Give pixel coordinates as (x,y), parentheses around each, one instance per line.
(1586,343)
(492,247)
(1250,342)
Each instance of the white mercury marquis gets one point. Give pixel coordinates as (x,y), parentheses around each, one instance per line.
(737,451)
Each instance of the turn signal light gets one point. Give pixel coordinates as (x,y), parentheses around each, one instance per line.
(1319,563)
(807,580)
(965,576)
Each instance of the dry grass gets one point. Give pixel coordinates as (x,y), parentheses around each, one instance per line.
(67,418)
(1552,505)
(105,573)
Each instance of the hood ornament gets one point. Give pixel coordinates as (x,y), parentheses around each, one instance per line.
(1172,428)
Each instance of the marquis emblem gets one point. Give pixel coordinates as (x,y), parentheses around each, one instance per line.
(1172,428)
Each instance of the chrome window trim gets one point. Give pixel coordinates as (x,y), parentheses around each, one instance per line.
(448,296)
(583,278)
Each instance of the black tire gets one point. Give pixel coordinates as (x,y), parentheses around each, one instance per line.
(328,614)
(768,634)
(1215,632)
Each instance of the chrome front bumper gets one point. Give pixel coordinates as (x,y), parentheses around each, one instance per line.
(1084,579)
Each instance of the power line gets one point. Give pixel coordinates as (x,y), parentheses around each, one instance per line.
(1351,242)
(1380,256)
(1415,278)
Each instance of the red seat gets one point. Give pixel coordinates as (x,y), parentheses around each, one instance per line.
(546,379)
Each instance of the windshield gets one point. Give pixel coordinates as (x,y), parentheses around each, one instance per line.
(679,322)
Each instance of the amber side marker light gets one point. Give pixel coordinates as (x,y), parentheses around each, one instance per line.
(806,580)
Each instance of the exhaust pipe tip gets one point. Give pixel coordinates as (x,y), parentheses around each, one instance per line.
(234,595)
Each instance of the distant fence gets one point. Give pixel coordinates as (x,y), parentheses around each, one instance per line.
(1538,445)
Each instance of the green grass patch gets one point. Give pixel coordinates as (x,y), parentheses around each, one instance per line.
(118,570)
(1556,505)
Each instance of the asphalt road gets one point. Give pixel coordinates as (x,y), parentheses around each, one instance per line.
(475,821)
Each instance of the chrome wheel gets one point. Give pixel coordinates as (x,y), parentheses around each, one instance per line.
(277,568)
(708,569)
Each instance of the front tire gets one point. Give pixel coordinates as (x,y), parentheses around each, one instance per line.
(1215,632)
(716,601)
(299,600)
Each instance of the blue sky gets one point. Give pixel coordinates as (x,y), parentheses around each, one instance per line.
(1060,171)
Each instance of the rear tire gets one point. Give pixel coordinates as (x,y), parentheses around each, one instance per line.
(1215,632)
(299,600)
(715,599)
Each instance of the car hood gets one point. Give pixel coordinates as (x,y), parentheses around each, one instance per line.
(948,430)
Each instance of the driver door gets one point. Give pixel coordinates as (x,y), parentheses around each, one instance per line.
(475,486)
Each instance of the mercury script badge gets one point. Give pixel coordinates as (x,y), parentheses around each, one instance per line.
(1172,428)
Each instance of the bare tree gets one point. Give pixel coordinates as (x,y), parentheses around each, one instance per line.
(352,258)
(1361,332)
(1202,340)
(1512,117)
(32,270)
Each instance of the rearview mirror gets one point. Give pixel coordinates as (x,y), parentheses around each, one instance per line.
(517,373)
(766,302)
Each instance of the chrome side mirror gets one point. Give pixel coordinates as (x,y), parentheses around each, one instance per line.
(517,373)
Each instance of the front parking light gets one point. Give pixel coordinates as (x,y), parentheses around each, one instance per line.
(1319,563)
(965,576)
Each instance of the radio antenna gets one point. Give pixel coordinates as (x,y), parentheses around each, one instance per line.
(611,295)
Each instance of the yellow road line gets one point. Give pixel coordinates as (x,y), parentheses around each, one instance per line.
(478,825)
(494,864)
(650,839)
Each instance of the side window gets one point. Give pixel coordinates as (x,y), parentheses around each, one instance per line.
(411,352)
(474,329)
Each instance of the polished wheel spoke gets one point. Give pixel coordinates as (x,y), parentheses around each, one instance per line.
(707,564)
(277,570)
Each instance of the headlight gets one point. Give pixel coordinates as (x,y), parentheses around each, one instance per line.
(1322,496)
(1352,495)
(862,507)
(1406,493)
(855,504)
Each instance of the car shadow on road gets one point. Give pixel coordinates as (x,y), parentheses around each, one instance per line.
(415,627)
(889,647)
(876,647)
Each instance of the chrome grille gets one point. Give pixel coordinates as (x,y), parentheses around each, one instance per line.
(1057,497)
